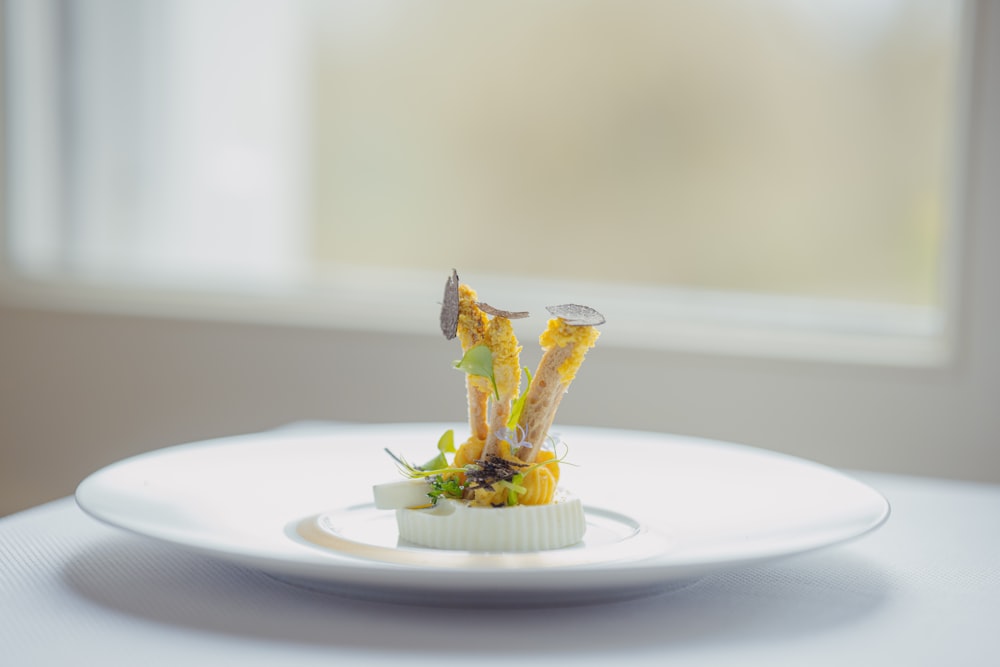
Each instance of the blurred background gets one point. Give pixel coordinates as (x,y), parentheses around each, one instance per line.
(780,146)
(224,216)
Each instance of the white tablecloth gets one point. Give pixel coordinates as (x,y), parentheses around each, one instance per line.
(922,590)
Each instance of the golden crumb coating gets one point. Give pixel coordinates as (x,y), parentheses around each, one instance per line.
(471,319)
(506,357)
(580,339)
(469,452)
(506,372)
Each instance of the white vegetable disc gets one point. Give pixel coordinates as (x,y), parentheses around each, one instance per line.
(453,524)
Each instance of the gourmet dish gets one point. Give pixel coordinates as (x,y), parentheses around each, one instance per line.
(498,490)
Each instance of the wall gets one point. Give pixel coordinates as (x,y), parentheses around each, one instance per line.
(79,391)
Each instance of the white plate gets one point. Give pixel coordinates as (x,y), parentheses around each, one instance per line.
(662,510)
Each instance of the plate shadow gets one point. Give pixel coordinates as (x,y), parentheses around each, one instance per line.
(808,594)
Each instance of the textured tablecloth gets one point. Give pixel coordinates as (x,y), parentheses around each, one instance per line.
(922,590)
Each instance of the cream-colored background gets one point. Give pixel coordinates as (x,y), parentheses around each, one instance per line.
(79,390)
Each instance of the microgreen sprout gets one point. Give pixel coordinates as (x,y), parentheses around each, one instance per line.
(448,488)
(515,487)
(517,407)
(561,460)
(407,469)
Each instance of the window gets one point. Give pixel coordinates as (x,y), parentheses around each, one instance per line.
(768,177)
(220,160)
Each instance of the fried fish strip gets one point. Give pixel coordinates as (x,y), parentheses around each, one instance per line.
(565,346)
(506,372)
(472,322)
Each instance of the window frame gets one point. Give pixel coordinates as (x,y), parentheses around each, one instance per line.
(678,320)
(931,409)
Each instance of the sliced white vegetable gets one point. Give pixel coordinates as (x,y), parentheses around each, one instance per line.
(453,524)
(397,495)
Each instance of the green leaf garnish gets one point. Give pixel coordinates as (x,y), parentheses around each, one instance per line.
(518,406)
(446,445)
(479,361)
(435,463)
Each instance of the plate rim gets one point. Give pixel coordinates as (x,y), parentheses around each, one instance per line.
(347,574)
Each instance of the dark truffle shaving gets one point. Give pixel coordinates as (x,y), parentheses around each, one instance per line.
(577,315)
(449,307)
(496,312)
(490,470)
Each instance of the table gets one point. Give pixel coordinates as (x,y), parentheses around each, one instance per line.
(922,590)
